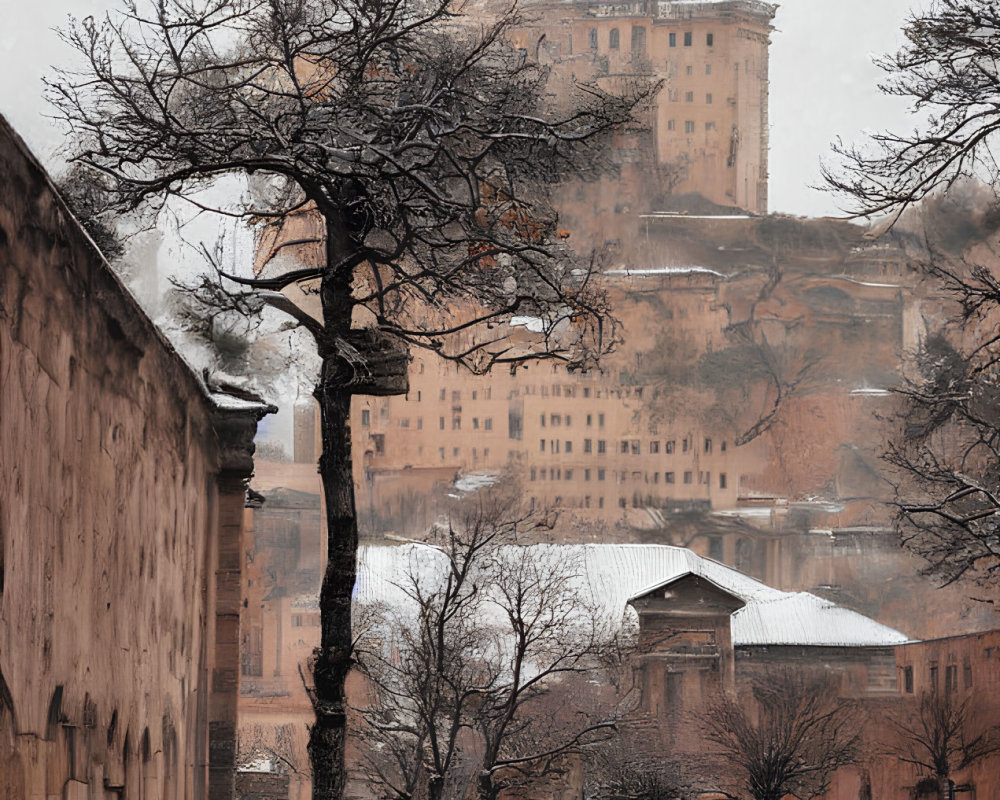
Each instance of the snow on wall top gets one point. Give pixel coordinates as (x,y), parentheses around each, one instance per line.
(612,574)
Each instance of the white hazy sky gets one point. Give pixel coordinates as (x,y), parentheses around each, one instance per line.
(822,82)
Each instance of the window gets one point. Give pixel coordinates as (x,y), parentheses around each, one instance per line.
(708,445)
(668,477)
(722,480)
(569,475)
(555,419)
(722,447)
(638,40)
(454,452)
(590,420)
(624,446)
(488,423)
(684,444)
(600,420)
(534,474)
(420,423)
(710,39)
(709,126)
(687,38)
(635,447)
(673,40)
(934,677)
(366,417)
(670,125)
(688,476)
(569,446)
(379,440)
(689,98)
(456,423)
(586,474)
(571,44)
(689,70)
(543,420)
(554,445)
(708,69)
(689,126)
(967,673)
(613,39)
(475,394)
(587,445)
(602,446)
(951,678)
(443,395)
(441,423)
(475,423)
(673,95)
(569,420)
(656,477)
(420,395)
(592,38)
(586,393)
(908,680)
(668,447)
(541,445)
(708,98)
(654,447)
(441,452)
(456,396)
(600,474)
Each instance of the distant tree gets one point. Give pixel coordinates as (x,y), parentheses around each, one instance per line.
(425,145)
(787,738)
(625,770)
(484,680)
(941,735)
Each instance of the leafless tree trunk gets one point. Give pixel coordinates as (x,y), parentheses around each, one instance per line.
(428,148)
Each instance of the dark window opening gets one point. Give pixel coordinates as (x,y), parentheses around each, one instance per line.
(687,38)
(710,39)
(673,40)
(613,39)
(592,38)
(908,680)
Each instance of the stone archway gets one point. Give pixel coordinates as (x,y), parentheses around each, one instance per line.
(11,768)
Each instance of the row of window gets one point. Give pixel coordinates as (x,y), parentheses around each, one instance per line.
(560,474)
(626,446)
(674,96)
(455,451)
(689,126)
(639,39)
(950,677)
(456,423)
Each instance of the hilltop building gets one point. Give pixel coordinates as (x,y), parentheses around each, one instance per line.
(708,126)
(122,490)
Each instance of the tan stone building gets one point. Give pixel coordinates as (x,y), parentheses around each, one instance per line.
(122,487)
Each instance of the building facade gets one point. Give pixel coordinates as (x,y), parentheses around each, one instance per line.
(122,486)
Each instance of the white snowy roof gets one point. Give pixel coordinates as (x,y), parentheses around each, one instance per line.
(614,573)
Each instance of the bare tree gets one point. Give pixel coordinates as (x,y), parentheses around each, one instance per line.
(945,454)
(626,770)
(789,737)
(426,148)
(482,681)
(948,69)
(942,736)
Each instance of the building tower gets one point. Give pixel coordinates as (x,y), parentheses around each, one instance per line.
(708,129)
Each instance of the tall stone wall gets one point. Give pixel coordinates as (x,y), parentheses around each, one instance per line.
(115,470)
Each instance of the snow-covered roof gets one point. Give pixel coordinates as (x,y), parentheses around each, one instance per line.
(613,573)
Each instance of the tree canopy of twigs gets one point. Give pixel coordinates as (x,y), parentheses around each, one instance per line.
(481,681)
(940,735)
(948,68)
(425,145)
(789,737)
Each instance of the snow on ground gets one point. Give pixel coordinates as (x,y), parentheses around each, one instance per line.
(680,270)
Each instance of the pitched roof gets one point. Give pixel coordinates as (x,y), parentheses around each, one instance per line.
(614,573)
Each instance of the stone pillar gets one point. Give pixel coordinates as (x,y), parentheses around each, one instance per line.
(235,430)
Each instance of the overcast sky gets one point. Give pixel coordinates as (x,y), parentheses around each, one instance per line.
(822,82)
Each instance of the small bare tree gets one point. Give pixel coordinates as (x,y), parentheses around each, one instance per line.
(483,683)
(788,737)
(941,735)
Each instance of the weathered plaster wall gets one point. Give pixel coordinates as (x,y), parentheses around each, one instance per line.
(109,523)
